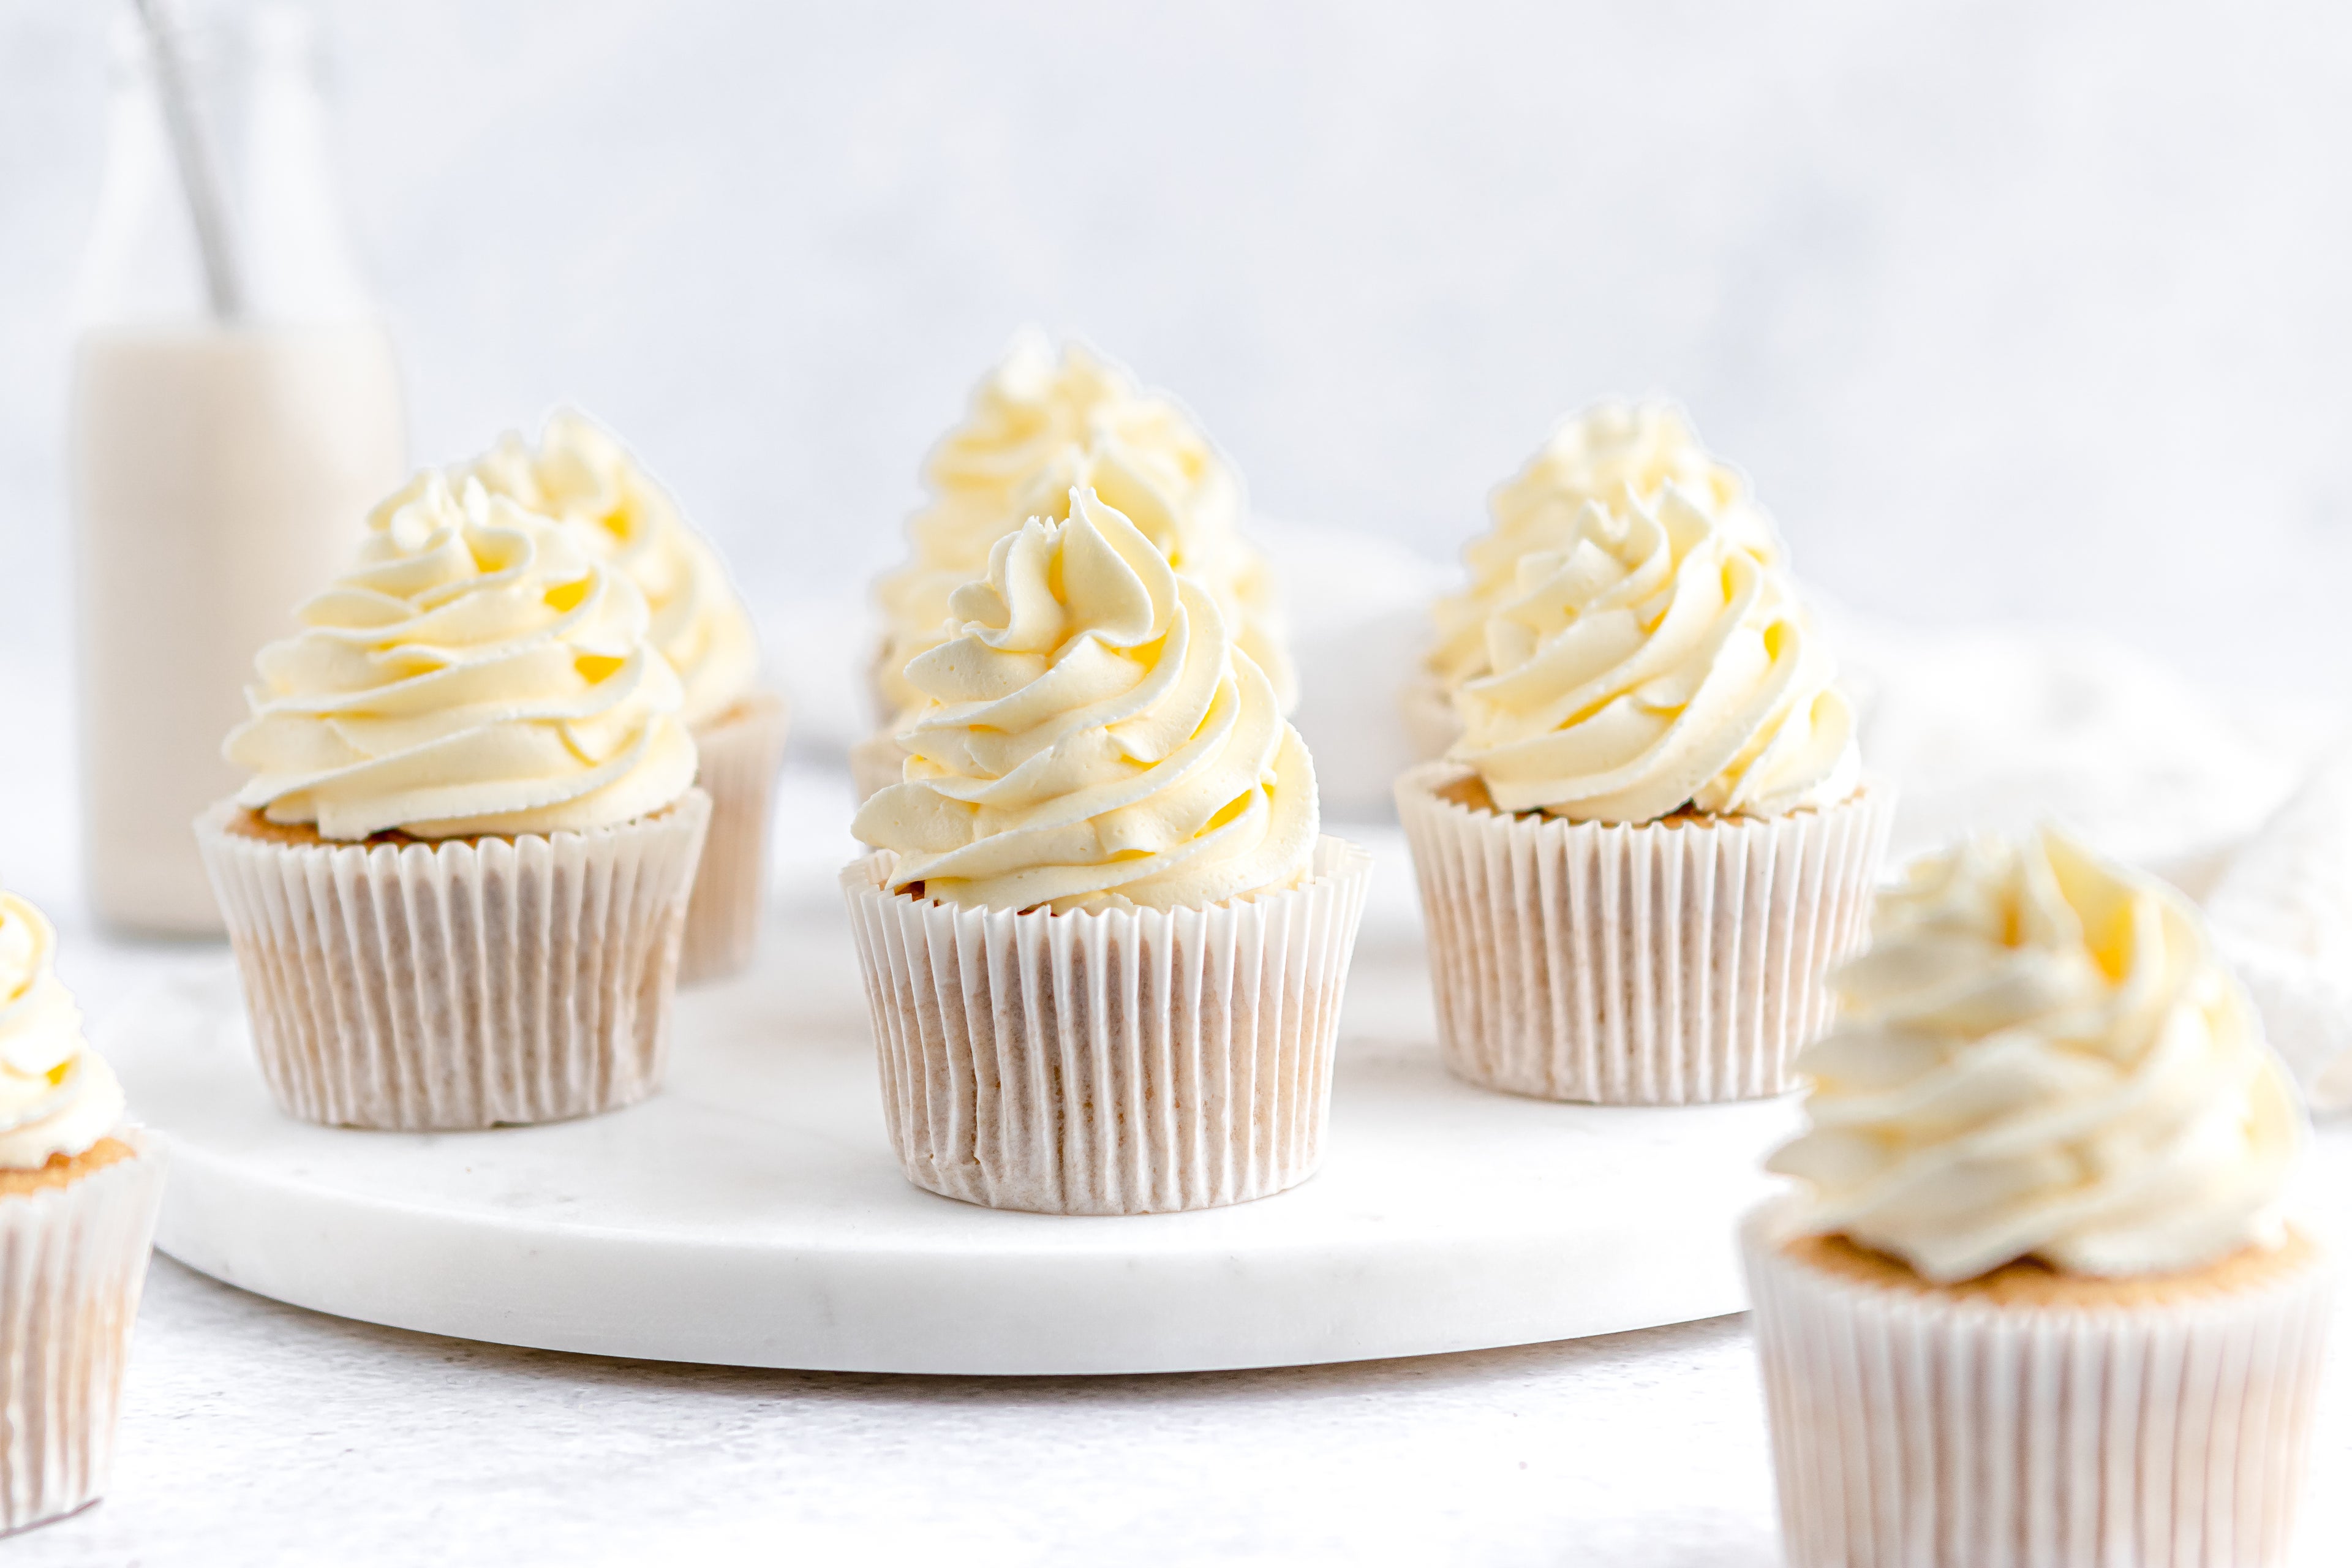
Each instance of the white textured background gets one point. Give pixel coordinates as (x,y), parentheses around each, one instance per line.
(2015,311)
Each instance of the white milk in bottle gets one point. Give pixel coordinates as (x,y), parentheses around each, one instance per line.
(236,411)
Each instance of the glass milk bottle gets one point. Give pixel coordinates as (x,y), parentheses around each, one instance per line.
(236,412)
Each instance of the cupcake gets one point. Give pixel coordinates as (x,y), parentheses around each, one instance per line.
(1104,943)
(1611,450)
(78,1191)
(1044,425)
(581,475)
(1652,838)
(456,883)
(2033,1299)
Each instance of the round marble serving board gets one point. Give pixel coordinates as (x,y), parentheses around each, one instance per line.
(752,1213)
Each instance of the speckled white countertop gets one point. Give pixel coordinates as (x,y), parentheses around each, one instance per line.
(256,1434)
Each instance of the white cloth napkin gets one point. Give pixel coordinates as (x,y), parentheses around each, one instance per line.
(2282,911)
(2239,801)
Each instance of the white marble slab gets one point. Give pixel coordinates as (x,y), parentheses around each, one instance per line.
(753,1214)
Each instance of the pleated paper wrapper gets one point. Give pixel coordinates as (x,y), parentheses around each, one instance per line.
(1113,1063)
(73,1259)
(1674,963)
(1930,1431)
(740,754)
(464,983)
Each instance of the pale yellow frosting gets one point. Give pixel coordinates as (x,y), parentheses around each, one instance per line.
(1604,453)
(1092,738)
(1650,660)
(2041,1056)
(479,669)
(57,1095)
(580,474)
(1042,424)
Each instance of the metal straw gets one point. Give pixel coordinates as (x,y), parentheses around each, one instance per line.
(223,285)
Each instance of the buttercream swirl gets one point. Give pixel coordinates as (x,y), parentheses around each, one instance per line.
(1092,738)
(1607,452)
(1652,661)
(57,1095)
(580,474)
(2040,1055)
(1042,425)
(477,671)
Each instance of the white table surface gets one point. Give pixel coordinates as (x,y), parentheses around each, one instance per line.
(255,1433)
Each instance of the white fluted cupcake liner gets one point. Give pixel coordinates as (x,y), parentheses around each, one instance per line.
(876,763)
(1668,963)
(1923,1429)
(1123,1062)
(740,755)
(73,1259)
(464,983)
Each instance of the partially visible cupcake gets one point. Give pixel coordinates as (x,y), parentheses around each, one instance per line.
(1608,452)
(2035,1300)
(580,474)
(1104,944)
(1042,424)
(78,1191)
(1653,837)
(457,881)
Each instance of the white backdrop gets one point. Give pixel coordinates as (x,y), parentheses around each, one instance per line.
(2018,310)
(2015,311)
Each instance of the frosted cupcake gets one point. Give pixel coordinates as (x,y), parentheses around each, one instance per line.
(1104,944)
(456,883)
(78,1191)
(1653,838)
(1042,425)
(2034,1301)
(580,474)
(1606,453)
